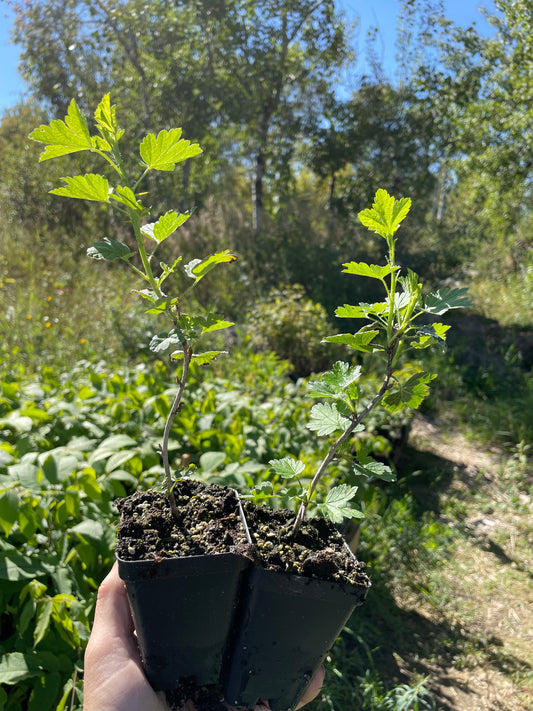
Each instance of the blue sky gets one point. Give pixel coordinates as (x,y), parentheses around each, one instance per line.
(379,13)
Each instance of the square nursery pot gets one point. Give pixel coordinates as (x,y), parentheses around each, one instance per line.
(183,608)
(235,619)
(287,625)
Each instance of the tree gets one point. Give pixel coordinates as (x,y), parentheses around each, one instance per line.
(238,74)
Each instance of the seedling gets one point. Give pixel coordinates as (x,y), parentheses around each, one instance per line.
(392,328)
(161,152)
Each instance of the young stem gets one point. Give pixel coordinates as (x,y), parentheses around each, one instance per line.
(339,441)
(187,355)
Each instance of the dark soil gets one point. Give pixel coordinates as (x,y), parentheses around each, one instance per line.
(204,698)
(209,522)
(316,551)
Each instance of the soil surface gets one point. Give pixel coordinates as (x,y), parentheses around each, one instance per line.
(209,522)
(317,550)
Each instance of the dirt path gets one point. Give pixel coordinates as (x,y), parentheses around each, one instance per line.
(486,664)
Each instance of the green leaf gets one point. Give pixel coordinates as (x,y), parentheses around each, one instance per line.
(326,419)
(360,341)
(214,324)
(362,310)
(9,509)
(106,121)
(167,149)
(109,249)
(126,196)
(20,423)
(147,294)
(368,270)
(408,394)
(16,567)
(198,268)
(375,469)
(161,305)
(115,442)
(91,530)
(386,214)
(163,341)
(265,488)
(117,459)
(85,187)
(335,382)
(165,226)
(287,468)
(45,691)
(44,611)
(337,507)
(429,334)
(199,358)
(63,137)
(212,461)
(15,667)
(438,302)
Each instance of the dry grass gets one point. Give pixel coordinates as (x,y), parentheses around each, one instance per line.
(481,597)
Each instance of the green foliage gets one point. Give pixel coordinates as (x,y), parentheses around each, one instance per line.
(392,331)
(292,326)
(74,441)
(160,153)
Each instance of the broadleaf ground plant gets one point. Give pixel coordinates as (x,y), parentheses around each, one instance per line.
(161,152)
(392,327)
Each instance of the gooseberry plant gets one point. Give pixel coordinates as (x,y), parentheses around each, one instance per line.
(161,152)
(392,327)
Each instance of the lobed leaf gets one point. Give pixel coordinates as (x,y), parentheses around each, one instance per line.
(199,358)
(429,334)
(408,394)
(126,196)
(326,419)
(165,226)
(375,469)
(85,187)
(362,310)
(198,268)
(335,382)
(109,249)
(373,271)
(386,213)
(287,468)
(438,302)
(161,305)
(337,507)
(161,342)
(64,137)
(164,151)
(106,119)
(360,341)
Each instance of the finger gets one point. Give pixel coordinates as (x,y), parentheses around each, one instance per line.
(315,685)
(113,625)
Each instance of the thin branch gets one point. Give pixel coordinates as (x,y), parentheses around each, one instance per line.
(340,440)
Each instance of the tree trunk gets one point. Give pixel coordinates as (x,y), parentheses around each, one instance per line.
(257,191)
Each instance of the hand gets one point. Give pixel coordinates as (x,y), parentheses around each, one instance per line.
(114,679)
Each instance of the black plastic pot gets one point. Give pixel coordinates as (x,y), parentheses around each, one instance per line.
(183,610)
(288,625)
